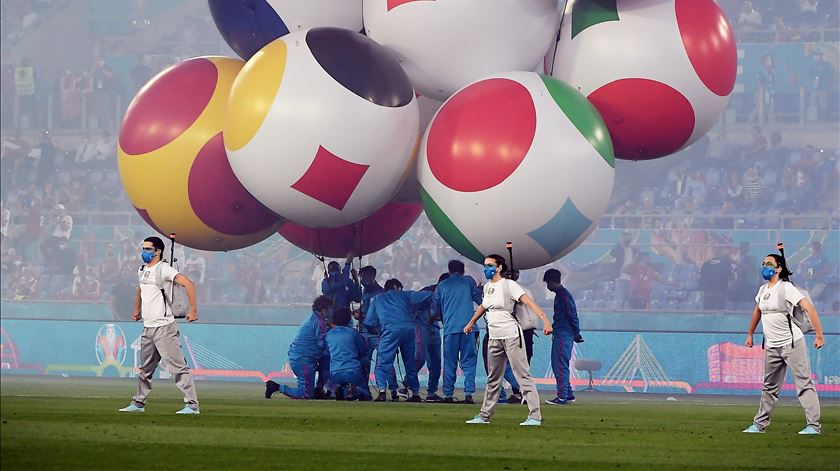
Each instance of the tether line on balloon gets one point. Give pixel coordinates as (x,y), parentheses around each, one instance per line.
(557,40)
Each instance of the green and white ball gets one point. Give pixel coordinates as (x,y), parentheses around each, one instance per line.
(516,157)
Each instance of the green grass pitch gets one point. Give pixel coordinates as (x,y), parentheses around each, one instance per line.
(58,423)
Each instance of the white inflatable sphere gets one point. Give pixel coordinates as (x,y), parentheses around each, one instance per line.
(446,44)
(660,72)
(517,157)
(323,140)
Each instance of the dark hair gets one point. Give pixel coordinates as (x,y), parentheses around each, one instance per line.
(500,261)
(456,266)
(393,284)
(443,276)
(157,243)
(784,275)
(321,303)
(553,275)
(368,270)
(341,316)
(332,265)
(514,275)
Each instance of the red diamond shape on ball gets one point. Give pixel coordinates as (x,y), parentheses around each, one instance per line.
(395,3)
(330,179)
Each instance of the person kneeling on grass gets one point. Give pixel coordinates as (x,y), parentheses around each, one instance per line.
(505,344)
(305,351)
(348,351)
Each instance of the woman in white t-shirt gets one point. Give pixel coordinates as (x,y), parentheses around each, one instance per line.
(506,343)
(785,345)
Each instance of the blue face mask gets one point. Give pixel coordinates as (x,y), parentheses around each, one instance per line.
(147,256)
(489,272)
(767,273)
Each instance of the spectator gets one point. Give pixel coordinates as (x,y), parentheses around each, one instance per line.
(25,89)
(750,18)
(745,274)
(105,152)
(140,73)
(765,85)
(622,254)
(716,274)
(71,99)
(46,158)
(641,282)
(754,187)
(821,81)
(815,270)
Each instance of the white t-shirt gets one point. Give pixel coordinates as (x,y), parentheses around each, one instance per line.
(63,227)
(155,311)
(498,302)
(774,319)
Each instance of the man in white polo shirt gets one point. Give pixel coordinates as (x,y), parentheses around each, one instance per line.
(161,339)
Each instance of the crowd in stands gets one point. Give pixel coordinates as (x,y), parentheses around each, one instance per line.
(69,231)
(740,186)
(782,20)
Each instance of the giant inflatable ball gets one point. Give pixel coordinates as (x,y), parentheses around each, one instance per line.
(365,237)
(322,127)
(446,44)
(516,157)
(660,72)
(172,159)
(248,25)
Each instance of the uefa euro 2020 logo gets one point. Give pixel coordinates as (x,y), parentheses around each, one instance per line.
(110,344)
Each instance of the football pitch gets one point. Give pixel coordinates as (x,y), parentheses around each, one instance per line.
(71,423)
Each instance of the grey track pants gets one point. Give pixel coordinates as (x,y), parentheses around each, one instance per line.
(776,362)
(499,352)
(164,343)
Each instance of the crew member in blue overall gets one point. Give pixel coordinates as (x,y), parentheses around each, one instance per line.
(566,327)
(339,286)
(453,300)
(394,311)
(370,288)
(428,345)
(347,351)
(305,351)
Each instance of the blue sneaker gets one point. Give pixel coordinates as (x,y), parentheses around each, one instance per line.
(557,401)
(133,408)
(532,422)
(188,411)
(809,430)
(754,429)
(477,420)
(570,398)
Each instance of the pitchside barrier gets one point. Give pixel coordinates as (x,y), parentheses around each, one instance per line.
(675,353)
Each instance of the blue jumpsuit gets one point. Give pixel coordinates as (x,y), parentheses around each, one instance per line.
(453,299)
(308,348)
(347,351)
(394,311)
(340,288)
(566,327)
(428,352)
(371,334)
